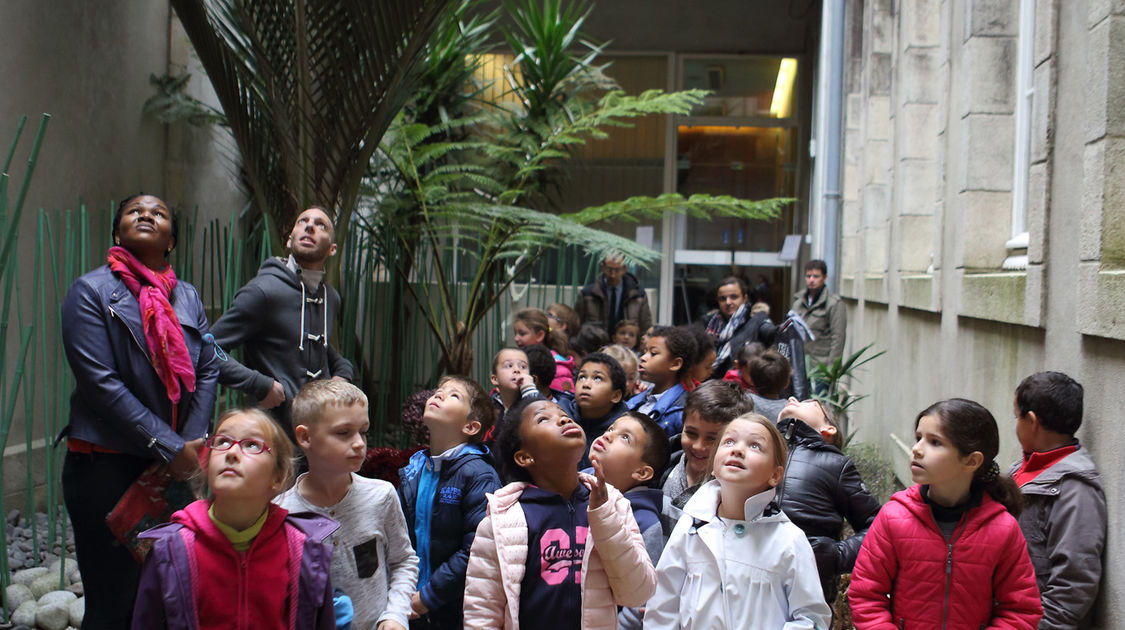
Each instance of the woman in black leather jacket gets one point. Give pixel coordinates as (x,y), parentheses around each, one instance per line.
(145,378)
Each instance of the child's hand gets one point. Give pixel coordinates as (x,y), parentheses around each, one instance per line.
(417,608)
(387,624)
(598,493)
(186,463)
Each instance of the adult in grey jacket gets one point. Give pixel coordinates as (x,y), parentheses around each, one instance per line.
(145,376)
(824,312)
(282,319)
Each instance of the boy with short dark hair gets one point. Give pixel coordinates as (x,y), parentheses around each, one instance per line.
(704,359)
(1064,510)
(821,488)
(443,497)
(599,393)
(632,453)
(373,562)
(665,364)
(770,373)
(707,411)
(541,364)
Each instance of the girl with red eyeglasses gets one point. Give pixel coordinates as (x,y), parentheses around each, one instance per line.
(238,560)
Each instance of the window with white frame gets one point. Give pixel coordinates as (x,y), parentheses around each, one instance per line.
(1025,93)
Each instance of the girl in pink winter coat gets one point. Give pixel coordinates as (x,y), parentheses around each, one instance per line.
(948,552)
(556,547)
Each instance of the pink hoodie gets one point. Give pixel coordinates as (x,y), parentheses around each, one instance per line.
(616,570)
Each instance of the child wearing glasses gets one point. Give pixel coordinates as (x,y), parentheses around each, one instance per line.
(373,562)
(822,487)
(237,560)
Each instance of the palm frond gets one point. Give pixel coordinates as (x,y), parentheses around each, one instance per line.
(309,88)
(640,208)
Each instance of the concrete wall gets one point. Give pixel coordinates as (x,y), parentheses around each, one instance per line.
(929,176)
(88,65)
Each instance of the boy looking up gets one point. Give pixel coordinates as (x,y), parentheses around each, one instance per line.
(769,372)
(372,562)
(632,453)
(707,411)
(442,493)
(599,391)
(821,488)
(665,364)
(1064,511)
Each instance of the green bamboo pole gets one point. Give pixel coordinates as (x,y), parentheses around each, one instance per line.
(14,219)
(49,418)
(4,319)
(15,141)
(5,428)
(29,390)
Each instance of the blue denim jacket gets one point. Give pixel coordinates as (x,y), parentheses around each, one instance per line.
(119,402)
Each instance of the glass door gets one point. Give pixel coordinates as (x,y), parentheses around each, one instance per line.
(742,141)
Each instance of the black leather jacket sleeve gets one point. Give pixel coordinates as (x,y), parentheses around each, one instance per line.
(859,508)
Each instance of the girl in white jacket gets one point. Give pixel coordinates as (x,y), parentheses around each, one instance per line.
(734,559)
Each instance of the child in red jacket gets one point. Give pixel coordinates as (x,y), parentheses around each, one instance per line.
(238,561)
(948,552)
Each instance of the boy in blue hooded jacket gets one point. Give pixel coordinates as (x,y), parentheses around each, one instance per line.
(443,497)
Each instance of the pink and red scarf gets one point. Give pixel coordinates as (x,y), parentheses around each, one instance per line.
(163,334)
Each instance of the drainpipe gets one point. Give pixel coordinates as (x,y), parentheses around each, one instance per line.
(824,221)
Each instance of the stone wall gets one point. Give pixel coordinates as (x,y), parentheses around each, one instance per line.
(929,180)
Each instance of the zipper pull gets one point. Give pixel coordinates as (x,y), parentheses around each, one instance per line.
(949,560)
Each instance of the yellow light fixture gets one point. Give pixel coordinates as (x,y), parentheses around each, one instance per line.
(782,104)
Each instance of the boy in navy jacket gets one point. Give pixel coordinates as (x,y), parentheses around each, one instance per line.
(443,497)
(668,352)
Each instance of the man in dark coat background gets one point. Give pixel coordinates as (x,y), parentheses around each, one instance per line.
(614,296)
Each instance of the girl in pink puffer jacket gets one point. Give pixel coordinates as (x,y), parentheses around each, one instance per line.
(555,547)
(948,552)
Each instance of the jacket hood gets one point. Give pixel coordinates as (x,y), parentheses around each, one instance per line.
(509,495)
(796,432)
(278,268)
(195,518)
(537,495)
(975,518)
(759,508)
(467,453)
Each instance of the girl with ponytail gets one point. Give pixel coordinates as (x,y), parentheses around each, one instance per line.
(531,326)
(948,551)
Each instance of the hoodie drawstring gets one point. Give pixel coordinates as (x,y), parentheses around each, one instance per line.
(301,334)
(323,337)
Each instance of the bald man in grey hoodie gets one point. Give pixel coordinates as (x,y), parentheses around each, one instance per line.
(282,320)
